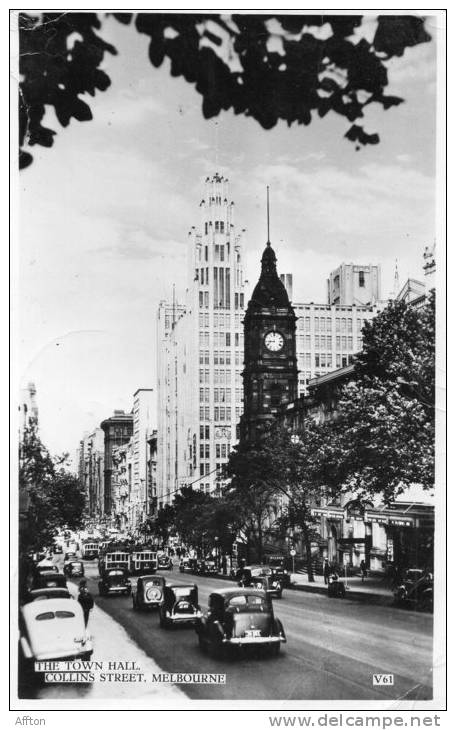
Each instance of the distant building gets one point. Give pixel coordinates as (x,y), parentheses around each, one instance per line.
(118,429)
(121,484)
(354,285)
(143,418)
(91,471)
(28,409)
(201,353)
(327,338)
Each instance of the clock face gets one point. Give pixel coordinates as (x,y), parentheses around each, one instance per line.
(274,341)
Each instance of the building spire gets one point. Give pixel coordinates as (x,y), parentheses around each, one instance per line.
(268,242)
(396,281)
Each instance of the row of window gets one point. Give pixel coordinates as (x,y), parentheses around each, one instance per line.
(221,413)
(221,377)
(324,324)
(219,227)
(324,342)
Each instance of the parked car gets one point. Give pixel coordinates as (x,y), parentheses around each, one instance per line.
(239,618)
(416,591)
(42,594)
(164,562)
(70,555)
(262,580)
(149,592)
(49,579)
(74,569)
(53,629)
(46,566)
(180,605)
(114,580)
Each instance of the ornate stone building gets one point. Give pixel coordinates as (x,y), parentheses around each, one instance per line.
(270,370)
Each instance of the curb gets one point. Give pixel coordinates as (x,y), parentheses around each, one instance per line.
(373,598)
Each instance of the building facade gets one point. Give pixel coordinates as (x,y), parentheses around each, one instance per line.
(327,338)
(270,371)
(354,284)
(143,418)
(201,354)
(91,471)
(118,429)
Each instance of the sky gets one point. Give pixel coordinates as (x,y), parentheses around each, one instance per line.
(104,217)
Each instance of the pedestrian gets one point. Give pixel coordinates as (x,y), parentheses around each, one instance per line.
(363,568)
(85,600)
(224,564)
(326,571)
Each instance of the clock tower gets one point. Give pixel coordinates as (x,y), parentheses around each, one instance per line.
(270,368)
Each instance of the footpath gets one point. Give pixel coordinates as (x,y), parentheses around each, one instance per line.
(371,590)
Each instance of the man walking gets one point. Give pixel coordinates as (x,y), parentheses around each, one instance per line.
(85,600)
(363,568)
(326,571)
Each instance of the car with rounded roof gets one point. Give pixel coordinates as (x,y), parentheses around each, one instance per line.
(237,619)
(148,593)
(53,629)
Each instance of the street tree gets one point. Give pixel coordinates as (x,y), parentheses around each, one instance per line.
(162,525)
(382,438)
(53,496)
(252,493)
(270,67)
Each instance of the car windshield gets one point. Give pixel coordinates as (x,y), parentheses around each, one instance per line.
(115,573)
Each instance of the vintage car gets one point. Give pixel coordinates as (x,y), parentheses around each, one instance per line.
(42,594)
(187,565)
(114,580)
(277,566)
(262,579)
(164,562)
(415,591)
(73,569)
(70,555)
(239,618)
(46,566)
(180,605)
(49,579)
(209,567)
(53,629)
(149,592)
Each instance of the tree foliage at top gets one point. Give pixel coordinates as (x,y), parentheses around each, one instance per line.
(269,67)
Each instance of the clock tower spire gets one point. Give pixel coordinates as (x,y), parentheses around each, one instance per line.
(270,369)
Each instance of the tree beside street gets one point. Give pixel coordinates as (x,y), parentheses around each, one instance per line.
(54,495)
(381,440)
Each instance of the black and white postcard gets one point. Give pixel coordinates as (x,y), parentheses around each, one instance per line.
(228,281)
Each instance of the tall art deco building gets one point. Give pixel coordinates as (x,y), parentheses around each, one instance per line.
(200,354)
